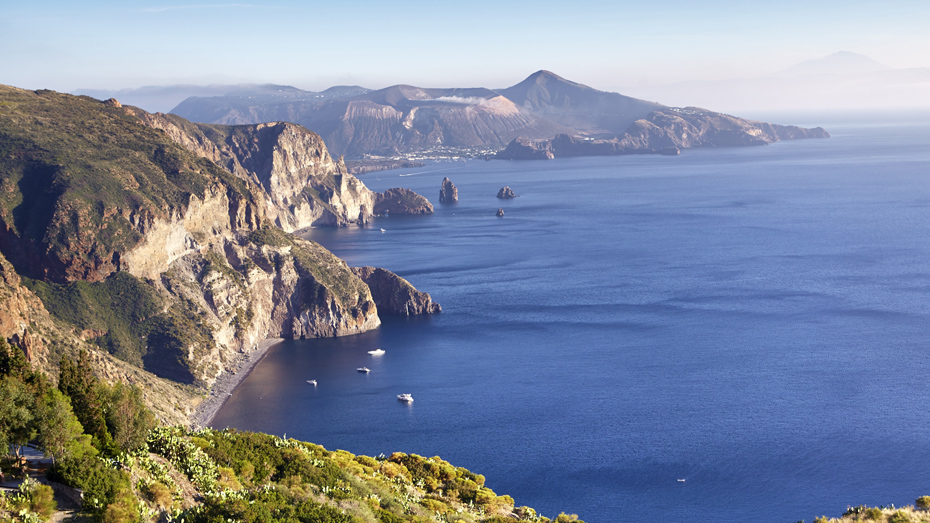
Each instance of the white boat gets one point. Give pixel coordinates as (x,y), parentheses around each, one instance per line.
(681,481)
(376,352)
(312,382)
(382,230)
(405,397)
(363,369)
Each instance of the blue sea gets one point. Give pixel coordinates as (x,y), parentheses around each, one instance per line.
(754,321)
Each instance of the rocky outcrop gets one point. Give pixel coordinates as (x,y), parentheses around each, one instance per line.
(399,201)
(506,193)
(524,149)
(395,295)
(303,184)
(448,193)
(666,132)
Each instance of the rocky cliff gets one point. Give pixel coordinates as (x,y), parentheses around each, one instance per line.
(394,295)
(302,183)
(152,254)
(401,201)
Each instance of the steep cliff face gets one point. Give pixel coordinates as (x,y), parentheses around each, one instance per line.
(302,183)
(156,255)
(394,295)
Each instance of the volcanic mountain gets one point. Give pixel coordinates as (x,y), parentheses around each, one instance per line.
(404,119)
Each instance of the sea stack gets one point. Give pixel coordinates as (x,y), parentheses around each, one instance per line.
(448,193)
(506,193)
(500,212)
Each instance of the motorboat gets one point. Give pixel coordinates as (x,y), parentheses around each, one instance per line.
(405,398)
(363,369)
(376,352)
(312,382)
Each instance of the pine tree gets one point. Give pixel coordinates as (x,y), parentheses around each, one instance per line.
(78,382)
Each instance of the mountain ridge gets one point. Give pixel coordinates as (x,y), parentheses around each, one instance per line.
(405,120)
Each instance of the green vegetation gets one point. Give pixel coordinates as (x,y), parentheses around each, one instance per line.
(132,472)
(132,320)
(74,172)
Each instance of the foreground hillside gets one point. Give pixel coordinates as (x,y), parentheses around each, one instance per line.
(112,463)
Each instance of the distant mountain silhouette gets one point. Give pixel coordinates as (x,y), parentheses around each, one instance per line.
(843,62)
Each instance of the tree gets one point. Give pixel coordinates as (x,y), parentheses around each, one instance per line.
(17,424)
(78,382)
(60,432)
(128,420)
(12,360)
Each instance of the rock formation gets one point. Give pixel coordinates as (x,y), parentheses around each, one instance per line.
(448,193)
(303,185)
(500,213)
(394,295)
(401,201)
(523,149)
(506,193)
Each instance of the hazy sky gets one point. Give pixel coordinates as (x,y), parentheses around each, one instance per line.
(66,45)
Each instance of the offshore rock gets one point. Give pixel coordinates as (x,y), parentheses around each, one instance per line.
(395,295)
(448,193)
(401,201)
(506,193)
(500,213)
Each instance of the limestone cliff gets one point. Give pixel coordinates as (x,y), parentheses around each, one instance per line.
(302,183)
(153,254)
(394,295)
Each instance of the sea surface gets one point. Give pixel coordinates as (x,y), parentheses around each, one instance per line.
(754,321)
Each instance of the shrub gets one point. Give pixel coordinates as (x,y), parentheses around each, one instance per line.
(923,502)
(899,516)
(159,494)
(874,514)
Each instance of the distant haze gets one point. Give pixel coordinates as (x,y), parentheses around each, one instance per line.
(738,53)
(842,80)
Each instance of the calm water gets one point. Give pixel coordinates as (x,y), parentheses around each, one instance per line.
(755,321)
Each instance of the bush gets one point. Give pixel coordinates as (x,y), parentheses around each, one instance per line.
(899,516)
(101,484)
(159,494)
(923,502)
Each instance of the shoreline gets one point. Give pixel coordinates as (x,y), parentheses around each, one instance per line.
(226,384)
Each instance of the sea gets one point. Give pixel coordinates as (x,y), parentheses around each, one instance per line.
(733,334)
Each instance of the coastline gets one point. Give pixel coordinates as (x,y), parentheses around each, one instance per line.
(227,383)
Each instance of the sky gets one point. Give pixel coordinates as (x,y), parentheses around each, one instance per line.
(106,44)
